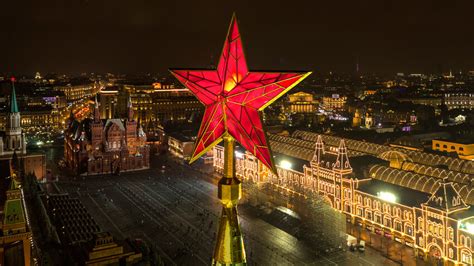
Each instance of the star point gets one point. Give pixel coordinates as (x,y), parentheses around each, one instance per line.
(234,97)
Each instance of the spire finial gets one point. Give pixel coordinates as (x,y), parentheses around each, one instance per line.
(319,150)
(342,161)
(130,108)
(13,102)
(96,110)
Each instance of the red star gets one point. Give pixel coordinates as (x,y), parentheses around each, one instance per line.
(233,97)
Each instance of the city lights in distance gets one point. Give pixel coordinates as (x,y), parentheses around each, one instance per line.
(387,196)
(286,164)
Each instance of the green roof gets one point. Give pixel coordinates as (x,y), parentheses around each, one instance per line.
(13,103)
(14,212)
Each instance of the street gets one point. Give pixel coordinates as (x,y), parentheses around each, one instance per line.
(385,246)
(176,209)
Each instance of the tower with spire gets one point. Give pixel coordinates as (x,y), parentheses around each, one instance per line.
(318,151)
(131,126)
(342,165)
(14,225)
(96,126)
(317,160)
(12,139)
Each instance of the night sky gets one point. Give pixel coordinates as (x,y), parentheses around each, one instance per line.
(137,36)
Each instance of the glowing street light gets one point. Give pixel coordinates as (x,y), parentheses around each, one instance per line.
(239,155)
(387,196)
(468,227)
(286,164)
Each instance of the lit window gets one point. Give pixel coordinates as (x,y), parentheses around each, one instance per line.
(408,230)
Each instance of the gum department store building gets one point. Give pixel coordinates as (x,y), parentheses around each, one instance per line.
(422,200)
(97,146)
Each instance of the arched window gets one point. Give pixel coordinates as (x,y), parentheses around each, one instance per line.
(408,229)
(466,257)
(450,233)
(420,241)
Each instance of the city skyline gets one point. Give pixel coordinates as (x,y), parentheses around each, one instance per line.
(128,137)
(84,36)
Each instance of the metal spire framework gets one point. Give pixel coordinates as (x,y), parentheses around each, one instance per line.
(13,103)
(233,97)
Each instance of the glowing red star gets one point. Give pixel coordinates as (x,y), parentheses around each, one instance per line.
(233,97)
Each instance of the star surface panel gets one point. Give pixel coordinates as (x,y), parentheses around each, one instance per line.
(233,98)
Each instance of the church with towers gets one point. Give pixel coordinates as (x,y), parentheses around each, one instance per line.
(106,146)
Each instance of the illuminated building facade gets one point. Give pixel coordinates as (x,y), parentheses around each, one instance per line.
(166,104)
(40,118)
(151,104)
(465,150)
(429,101)
(459,100)
(301,102)
(399,194)
(77,92)
(108,102)
(42,108)
(181,145)
(334,102)
(96,146)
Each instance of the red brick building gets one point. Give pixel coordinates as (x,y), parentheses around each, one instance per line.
(97,146)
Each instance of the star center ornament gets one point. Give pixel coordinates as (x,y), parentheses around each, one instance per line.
(233,97)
